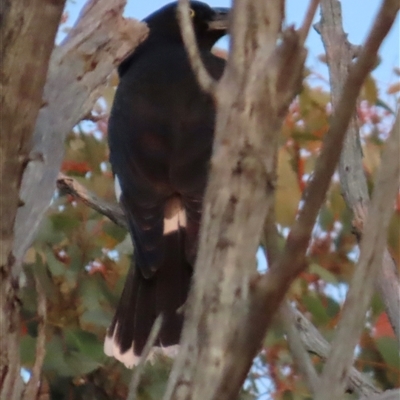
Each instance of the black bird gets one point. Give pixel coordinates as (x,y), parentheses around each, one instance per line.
(160,137)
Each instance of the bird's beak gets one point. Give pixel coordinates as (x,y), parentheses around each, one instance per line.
(220,19)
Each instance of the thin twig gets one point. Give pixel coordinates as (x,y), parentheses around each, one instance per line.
(310,337)
(297,349)
(308,19)
(274,284)
(316,344)
(32,387)
(292,262)
(340,54)
(334,376)
(387,395)
(206,82)
(134,384)
(388,285)
(111,210)
(296,346)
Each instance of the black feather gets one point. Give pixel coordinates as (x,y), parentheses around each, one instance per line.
(160,137)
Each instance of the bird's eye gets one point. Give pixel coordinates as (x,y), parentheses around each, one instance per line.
(192,13)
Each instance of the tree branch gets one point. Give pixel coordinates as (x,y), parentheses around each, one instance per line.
(272,287)
(135,381)
(20,90)
(352,178)
(111,210)
(310,337)
(253,96)
(33,386)
(206,82)
(297,349)
(276,281)
(305,27)
(79,68)
(334,376)
(24,59)
(387,395)
(316,344)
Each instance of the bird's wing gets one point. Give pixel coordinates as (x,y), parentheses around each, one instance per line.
(139,154)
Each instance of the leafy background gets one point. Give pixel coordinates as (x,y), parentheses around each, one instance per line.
(80,259)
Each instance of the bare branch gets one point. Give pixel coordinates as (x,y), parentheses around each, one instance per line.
(29,47)
(389,288)
(111,210)
(316,344)
(296,346)
(297,349)
(352,178)
(134,384)
(253,95)
(387,395)
(274,284)
(309,335)
(78,72)
(334,376)
(33,386)
(24,61)
(206,82)
(305,27)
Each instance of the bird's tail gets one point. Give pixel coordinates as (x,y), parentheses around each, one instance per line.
(142,300)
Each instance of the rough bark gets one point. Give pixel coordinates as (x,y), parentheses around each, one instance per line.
(315,343)
(79,69)
(29,164)
(252,96)
(259,83)
(388,395)
(113,211)
(26,47)
(335,372)
(340,54)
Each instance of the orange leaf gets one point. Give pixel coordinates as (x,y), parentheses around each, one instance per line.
(382,327)
(80,167)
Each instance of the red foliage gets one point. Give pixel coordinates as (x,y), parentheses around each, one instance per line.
(382,327)
(77,167)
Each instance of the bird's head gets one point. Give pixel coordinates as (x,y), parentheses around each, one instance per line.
(210,24)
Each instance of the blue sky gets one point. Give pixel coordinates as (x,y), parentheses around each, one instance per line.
(357,15)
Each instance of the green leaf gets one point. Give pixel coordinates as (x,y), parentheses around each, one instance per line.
(385,106)
(333,308)
(323,273)
(41,272)
(91,292)
(96,317)
(387,346)
(326,218)
(56,267)
(55,360)
(64,222)
(47,233)
(115,231)
(76,258)
(28,350)
(369,90)
(81,364)
(317,309)
(86,343)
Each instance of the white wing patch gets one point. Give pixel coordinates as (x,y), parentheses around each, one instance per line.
(117,188)
(128,358)
(174,215)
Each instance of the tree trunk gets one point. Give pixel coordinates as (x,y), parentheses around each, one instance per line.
(24,58)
